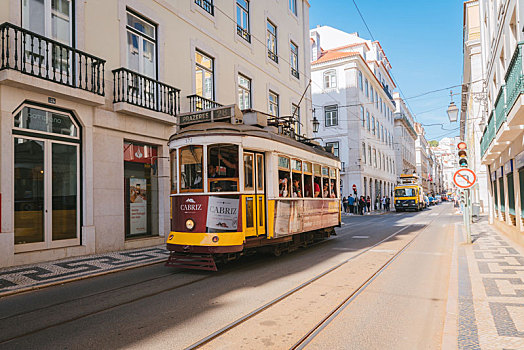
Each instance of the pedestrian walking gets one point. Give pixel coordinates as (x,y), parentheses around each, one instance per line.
(351,201)
(383,203)
(388,203)
(368,203)
(362,205)
(355,205)
(345,204)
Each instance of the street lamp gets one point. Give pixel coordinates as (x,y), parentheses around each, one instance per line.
(316,123)
(452,110)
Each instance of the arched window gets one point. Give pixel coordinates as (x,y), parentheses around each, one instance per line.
(330,79)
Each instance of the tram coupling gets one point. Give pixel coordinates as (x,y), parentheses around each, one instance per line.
(192,261)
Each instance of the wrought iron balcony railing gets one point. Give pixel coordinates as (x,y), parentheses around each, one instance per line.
(34,54)
(199,103)
(244,34)
(142,91)
(500,108)
(514,78)
(295,73)
(272,55)
(206,5)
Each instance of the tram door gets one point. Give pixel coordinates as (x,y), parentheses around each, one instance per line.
(254,201)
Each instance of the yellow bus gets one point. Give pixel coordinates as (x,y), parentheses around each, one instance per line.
(409,194)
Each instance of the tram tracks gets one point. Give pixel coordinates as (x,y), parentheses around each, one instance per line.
(67,304)
(330,316)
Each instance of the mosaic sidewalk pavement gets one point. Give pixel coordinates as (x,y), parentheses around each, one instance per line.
(491,291)
(21,278)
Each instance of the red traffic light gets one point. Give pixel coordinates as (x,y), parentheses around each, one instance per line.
(462,145)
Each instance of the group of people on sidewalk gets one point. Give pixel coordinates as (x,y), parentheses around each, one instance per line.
(362,204)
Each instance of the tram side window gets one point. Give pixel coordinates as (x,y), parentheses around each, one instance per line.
(296,177)
(308,180)
(191,168)
(317,182)
(325,182)
(222,168)
(333,183)
(284,179)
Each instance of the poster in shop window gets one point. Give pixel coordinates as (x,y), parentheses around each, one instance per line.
(222,214)
(138,206)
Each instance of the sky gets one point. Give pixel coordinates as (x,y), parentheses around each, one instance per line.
(423,42)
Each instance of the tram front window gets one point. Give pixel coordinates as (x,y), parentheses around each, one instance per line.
(222,168)
(191,168)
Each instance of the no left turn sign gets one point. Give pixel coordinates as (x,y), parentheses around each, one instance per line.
(464,178)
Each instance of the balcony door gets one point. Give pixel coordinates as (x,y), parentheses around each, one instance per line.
(51,19)
(46,180)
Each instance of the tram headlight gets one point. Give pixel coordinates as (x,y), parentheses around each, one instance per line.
(171,237)
(190,224)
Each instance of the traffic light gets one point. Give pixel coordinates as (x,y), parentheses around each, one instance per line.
(462,197)
(463,156)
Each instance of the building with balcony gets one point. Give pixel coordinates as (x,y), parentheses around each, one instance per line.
(90,92)
(405,137)
(472,104)
(502,142)
(423,158)
(352,99)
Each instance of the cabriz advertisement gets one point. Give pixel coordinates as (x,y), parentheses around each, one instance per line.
(222,214)
(210,214)
(137,206)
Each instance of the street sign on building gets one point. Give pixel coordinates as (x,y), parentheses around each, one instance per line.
(464,178)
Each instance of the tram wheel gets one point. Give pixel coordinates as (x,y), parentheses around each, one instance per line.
(277,251)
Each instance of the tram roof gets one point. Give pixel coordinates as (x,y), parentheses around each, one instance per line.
(223,128)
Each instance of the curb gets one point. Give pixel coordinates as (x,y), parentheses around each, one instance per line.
(78,278)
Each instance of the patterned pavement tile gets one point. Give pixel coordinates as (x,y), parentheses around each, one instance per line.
(496,277)
(20,278)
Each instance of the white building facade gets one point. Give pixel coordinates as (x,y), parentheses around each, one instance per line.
(352,98)
(473,102)
(502,142)
(85,123)
(404,138)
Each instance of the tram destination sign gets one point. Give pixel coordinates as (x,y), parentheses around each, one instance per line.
(216,114)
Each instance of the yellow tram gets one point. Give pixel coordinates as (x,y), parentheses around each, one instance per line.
(241,187)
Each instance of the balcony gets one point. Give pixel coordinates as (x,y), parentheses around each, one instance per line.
(35,55)
(207,5)
(514,78)
(500,108)
(488,136)
(199,103)
(138,90)
(243,33)
(295,73)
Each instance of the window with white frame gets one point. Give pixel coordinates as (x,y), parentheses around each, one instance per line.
(293,6)
(331,115)
(366,87)
(273,103)
(372,93)
(204,75)
(141,43)
(362,115)
(244,92)
(335,147)
(368,121)
(373,125)
(243,19)
(330,79)
(360,83)
(364,153)
(293,59)
(272,41)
